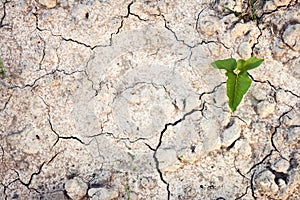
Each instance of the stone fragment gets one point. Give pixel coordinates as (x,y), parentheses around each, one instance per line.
(291,36)
(265,181)
(209,25)
(76,188)
(264,109)
(102,193)
(281,166)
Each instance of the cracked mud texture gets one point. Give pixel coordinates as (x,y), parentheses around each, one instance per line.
(108,99)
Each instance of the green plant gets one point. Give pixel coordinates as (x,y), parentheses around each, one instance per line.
(250,13)
(127,190)
(238,81)
(1,69)
(253,9)
(131,156)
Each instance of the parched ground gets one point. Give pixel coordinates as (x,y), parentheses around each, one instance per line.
(116,99)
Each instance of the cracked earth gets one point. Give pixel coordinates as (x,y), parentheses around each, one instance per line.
(108,99)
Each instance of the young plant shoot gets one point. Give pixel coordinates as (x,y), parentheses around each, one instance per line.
(2,73)
(238,81)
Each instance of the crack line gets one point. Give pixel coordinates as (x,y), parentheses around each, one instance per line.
(31,177)
(244,194)
(58,136)
(31,85)
(6,103)
(4,14)
(210,92)
(277,127)
(274,87)
(160,143)
(260,162)
(252,185)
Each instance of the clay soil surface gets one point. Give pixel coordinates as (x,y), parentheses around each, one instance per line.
(117,99)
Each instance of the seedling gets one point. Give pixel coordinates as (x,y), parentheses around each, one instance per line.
(1,69)
(131,156)
(238,81)
(127,190)
(250,13)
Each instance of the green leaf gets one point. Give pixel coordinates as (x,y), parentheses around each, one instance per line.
(1,68)
(227,64)
(237,85)
(237,14)
(250,63)
(131,156)
(238,80)
(240,64)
